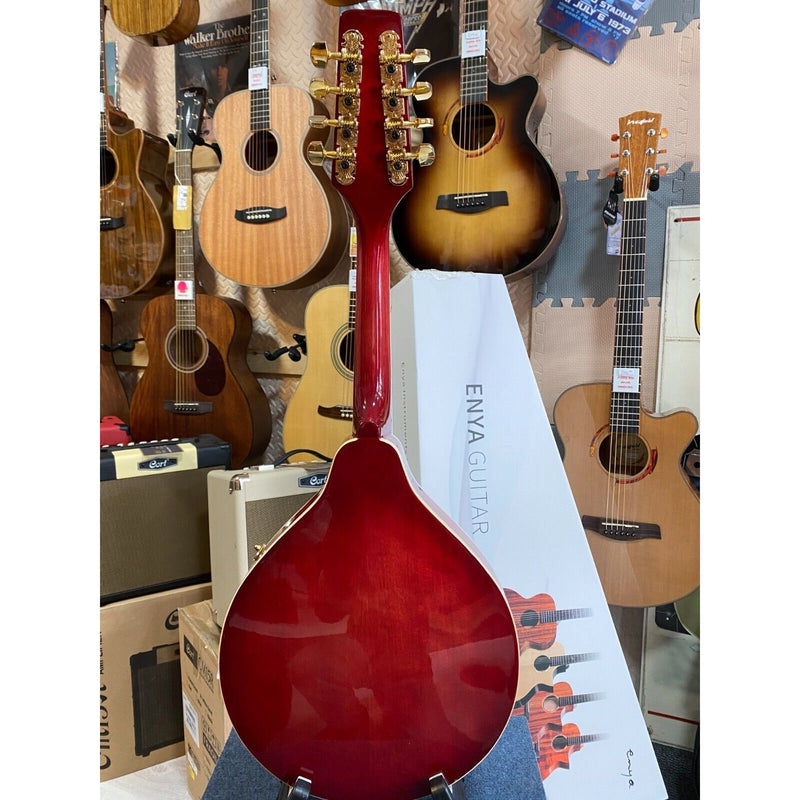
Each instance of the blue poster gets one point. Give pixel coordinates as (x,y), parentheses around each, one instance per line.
(600,27)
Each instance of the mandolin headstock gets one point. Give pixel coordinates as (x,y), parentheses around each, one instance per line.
(372,155)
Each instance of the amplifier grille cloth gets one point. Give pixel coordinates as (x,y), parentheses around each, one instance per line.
(264,519)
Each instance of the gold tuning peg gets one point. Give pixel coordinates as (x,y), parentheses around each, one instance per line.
(418,56)
(424,154)
(319,88)
(321,121)
(663,133)
(417,122)
(421,89)
(320,55)
(317,154)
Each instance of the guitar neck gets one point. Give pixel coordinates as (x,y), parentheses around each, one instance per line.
(574,658)
(474,74)
(559,615)
(185,307)
(626,387)
(259,59)
(574,699)
(103,95)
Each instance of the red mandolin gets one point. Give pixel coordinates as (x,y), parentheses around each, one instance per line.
(369,649)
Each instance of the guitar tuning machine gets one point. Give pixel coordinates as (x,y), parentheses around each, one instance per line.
(419,56)
(424,154)
(317,154)
(320,55)
(421,89)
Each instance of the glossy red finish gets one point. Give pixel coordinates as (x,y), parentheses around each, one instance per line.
(368,649)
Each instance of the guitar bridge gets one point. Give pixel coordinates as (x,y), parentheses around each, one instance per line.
(111,223)
(621,531)
(471,203)
(259,215)
(335,412)
(190,409)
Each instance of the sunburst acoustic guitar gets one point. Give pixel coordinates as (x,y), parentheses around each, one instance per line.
(197,379)
(369,652)
(156,22)
(319,415)
(134,201)
(491,202)
(638,507)
(270,218)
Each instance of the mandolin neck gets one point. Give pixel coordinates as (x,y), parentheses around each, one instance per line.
(259,59)
(372,357)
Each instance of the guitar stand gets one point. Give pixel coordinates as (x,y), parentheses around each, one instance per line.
(126,345)
(301,789)
(295,352)
(198,140)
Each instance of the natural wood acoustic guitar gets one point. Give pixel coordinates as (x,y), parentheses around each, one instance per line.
(638,507)
(134,201)
(156,22)
(556,743)
(270,218)
(369,652)
(197,379)
(537,618)
(491,202)
(319,415)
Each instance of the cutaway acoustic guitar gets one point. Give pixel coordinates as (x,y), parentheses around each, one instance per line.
(639,509)
(197,379)
(369,651)
(491,202)
(156,22)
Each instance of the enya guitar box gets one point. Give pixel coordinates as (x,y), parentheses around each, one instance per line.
(478,440)
(141,718)
(206,724)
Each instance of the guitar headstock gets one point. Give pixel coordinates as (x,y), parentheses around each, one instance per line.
(638,135)
(191,103)
(372,149)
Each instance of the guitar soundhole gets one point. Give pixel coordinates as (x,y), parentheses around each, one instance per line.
(624,454)
(108,166)
(473,126)
(261,150)
(342,347)
(529,619)
(559,742)
(550,704)
(186,350)
(346,347)
(210,378)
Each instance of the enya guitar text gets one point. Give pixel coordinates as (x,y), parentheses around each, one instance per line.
(134,202)
(491,203)
(270,218)
(638,507)
(197,379)
(368,651)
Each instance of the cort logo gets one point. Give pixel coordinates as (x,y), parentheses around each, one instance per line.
(640,121)
(313,480)
(157,463)
(171,622)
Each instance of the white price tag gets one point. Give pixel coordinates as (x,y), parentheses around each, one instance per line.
(257,78)
(182,198)
(626,379)
(102,102)
(184,290)
(614,237)
(190,719)
(352,281)
(473,43)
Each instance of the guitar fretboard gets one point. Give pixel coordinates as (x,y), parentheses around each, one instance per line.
(474,75)
(573,699)
(558,615)
(185,309)
(630,306)
(103,136)
(259,57)
(562,661)
(561,741)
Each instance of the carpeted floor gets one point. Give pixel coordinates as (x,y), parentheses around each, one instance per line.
(678,771)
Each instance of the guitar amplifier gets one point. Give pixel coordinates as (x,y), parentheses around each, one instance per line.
(246,508)
(154,515)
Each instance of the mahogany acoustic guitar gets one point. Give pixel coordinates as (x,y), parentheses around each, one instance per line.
(491,202)
(156,22)
(638,507)
(197,379)
(270,218)
(369,652)
(319,415)
(134,202)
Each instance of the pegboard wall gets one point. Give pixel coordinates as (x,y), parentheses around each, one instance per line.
(565,309)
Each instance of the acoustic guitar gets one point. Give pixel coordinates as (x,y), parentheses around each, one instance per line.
(537,618)
(156,22)
(638,507)
(491,202)
(319,415)
(538,669)
(369,652)
(546,706)
(557,743)
(197,380)
(134,201)
(270,218)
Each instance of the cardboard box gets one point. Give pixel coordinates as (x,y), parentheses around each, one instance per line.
(479,442)
(205,721)
(140,698)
